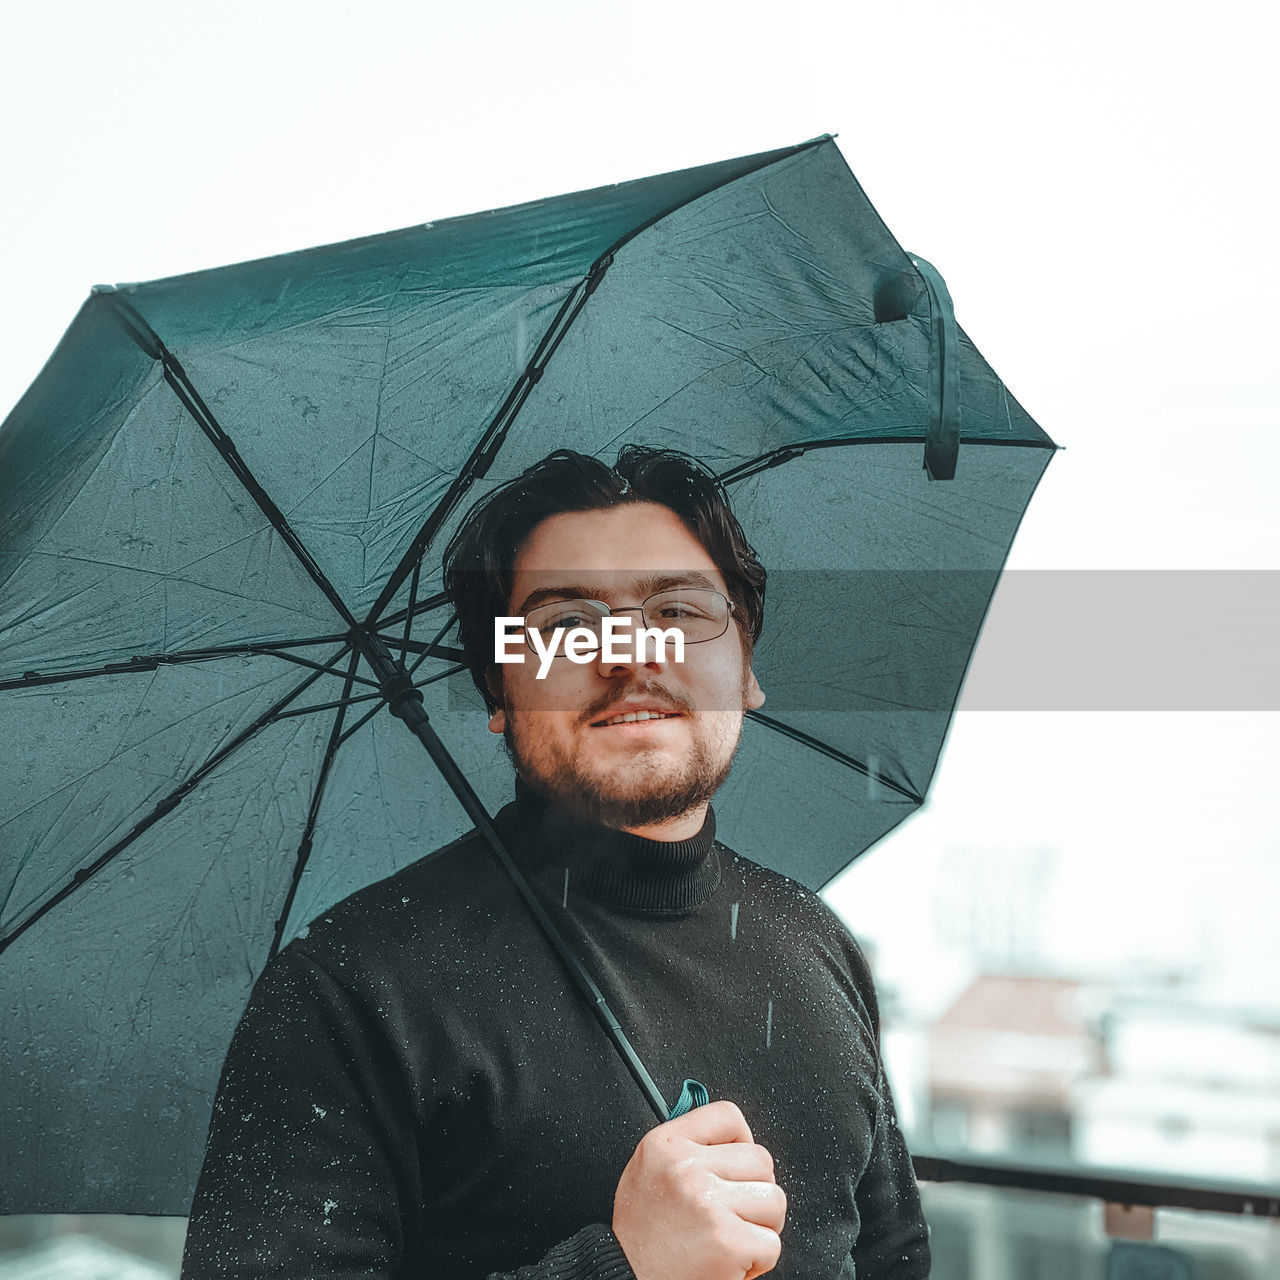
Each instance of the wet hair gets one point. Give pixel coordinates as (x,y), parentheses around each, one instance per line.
(479,561)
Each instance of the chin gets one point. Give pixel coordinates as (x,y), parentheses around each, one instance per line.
(649,784)
(639,793)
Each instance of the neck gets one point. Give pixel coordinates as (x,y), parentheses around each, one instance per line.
(578,859)
(685,827)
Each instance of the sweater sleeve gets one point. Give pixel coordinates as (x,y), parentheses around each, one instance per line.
(893,1240)
(312,1167)
(593,1254)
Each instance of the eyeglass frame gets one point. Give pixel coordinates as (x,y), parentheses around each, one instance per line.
(610,611)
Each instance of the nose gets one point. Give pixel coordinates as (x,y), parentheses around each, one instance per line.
(619,655)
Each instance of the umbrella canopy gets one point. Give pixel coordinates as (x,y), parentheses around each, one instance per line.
(222,506)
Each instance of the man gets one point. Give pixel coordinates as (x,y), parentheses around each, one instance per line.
(417,1090)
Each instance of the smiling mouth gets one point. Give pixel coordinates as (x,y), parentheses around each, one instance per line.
(633,717)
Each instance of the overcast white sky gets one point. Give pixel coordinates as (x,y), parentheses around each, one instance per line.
(1097,183)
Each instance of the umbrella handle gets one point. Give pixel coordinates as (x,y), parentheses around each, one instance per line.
(405,703)
(692,1094)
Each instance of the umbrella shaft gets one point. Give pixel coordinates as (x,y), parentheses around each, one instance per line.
(405,703)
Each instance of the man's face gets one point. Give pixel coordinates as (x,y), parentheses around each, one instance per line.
(650,776)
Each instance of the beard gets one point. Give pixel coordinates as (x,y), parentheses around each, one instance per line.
(649,787)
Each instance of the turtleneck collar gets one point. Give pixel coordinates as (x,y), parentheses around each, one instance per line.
(611,867)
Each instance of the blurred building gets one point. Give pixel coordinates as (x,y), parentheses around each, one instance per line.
(1060,1070)
(1193,1089)
(1004,1063)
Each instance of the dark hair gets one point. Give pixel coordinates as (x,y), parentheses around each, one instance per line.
(480,558)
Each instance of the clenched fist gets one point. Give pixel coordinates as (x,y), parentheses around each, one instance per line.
(697,1200)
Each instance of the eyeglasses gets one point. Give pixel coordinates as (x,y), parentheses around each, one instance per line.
(699,614)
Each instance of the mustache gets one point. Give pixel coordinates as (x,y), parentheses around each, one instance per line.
(654,689)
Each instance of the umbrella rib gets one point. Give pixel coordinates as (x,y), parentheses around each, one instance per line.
(815,744)
(165,806)
(313,810)
(417,684)
(336,704)
(434,648)
(482,456)
(413,600)
(422,606)
(787,453)
(371,645)
(425,650)
(307,662)
(176,376)
(151,661)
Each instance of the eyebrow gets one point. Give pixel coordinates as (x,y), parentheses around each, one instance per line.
(645,587)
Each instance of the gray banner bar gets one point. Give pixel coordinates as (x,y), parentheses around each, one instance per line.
(1129,640)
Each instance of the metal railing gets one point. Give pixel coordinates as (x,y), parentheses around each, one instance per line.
(1122,1188)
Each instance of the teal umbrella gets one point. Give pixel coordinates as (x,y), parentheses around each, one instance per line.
(223,502)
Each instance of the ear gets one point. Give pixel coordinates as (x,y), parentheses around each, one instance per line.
(497,721)
(753,694)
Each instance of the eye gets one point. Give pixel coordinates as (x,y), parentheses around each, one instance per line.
(679,610)
(566,613)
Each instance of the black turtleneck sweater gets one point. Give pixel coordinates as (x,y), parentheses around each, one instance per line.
(417,1090)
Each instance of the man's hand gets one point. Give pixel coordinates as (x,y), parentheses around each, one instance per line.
(697,1200)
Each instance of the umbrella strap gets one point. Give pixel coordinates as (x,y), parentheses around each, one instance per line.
(692,1094)
(942,441)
